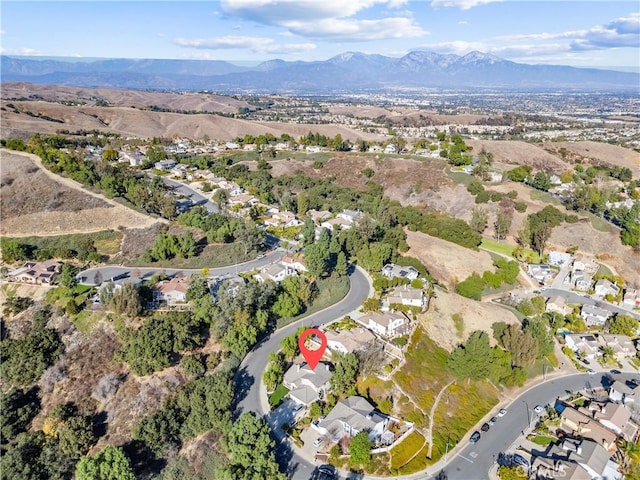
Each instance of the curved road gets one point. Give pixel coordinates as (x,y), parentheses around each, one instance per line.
(248,378)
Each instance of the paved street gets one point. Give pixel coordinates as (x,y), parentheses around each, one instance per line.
(196,198)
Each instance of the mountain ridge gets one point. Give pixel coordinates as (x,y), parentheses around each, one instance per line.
(355,71)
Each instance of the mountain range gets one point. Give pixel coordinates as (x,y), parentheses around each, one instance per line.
(347,72)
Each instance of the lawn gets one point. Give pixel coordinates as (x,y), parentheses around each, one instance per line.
(86,320)
(460,177)
(600,224)
(543,440)
(278,395)
(545,197)
(419,462)
(406,450)
(497,247)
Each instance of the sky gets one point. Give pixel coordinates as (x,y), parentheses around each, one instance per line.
(582,33)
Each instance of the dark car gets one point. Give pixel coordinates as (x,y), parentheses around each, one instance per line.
(616,372)
(493,420)
(475,437)
(485,427)
(327,472)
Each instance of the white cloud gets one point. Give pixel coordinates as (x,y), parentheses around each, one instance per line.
(358,30)
(328,19)
(461,4)
(24,51)
(463,22)
(3,32)
(254,44)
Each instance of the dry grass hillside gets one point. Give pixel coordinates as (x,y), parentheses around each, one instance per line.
(440,326)
(25,118)
(510,153)
(595,153)
(34,201)
(204,102)
(447,262)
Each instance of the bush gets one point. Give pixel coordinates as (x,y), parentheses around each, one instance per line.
(520,207)
(471,287)
(482,197)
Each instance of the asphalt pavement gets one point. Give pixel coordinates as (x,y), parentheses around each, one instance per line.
(195,197)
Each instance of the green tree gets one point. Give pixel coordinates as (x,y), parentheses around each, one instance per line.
(220,197)
(471,287)
(76,436)
(360,449)
(473,359)
(341,267)
(127,300)
(623,325)
(522,346)
(289,346)
(538,329)
(503,223)
(251,450)
(346,372)
(109,464)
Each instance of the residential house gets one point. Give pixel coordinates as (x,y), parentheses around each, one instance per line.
(165,165)
(232,188)
(559,259)
(555,180)
(585,264)
(171,292)
(275,272)
(135,159)
(348,341)
(242,199)
(594,316)
(387,324)
(231,146)
(318,215)
(540,272)
(295,261)
(577,460)
(306,385)
(622,345)
(36,273)
(407,295)
(578,424)
(585,344)
(581,280)
(614,416)
(605,287)
(337,223)
(179,170)
(631,298)
(283,220)
(624,392)
(352,416)
(558,304)
(391,270)
(350,216)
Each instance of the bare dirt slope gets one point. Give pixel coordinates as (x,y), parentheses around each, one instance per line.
(38,202)
(439,324)
(520,153)
(447,262)
(204,102)
(595,153)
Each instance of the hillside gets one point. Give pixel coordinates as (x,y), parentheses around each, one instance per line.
(511,153)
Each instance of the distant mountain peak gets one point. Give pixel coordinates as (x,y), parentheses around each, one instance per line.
(476,56)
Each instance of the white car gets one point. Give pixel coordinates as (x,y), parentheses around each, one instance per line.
(538,409)
(502,413)
(591,371)
(317,442)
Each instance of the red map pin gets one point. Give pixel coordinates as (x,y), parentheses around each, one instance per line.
(312,356)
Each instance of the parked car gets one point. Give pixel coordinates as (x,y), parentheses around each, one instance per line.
(538,409)
(475,437)
(493,421)
(485,427)
(327,472)
(616,372)
(502,413)
(520,460)
(591,371)
(317,442)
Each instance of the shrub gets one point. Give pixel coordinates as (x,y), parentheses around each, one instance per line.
(521,207)
(482,197)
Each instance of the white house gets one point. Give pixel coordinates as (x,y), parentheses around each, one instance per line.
(307,385)
(165,165)
(391,270)
(275,272)
(594,316)
(540,272)
(585,344)
(559,259)
(581,280)
(337,223)
(388,324)
(296,262)
(283,220)
(352,416)
(348,341)
(351,216)
(605,287)
(622,345)
(406,295)
(631,298)
(624,393)
(171,292)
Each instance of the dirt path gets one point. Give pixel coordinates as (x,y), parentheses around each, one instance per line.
(432,414)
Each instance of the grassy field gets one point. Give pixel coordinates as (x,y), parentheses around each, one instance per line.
(543,440)
(106,242)
(86,320)
(402,453)
(600,224)
(212,256)
(497,247)
(546,197)
(419,462)
(460,177)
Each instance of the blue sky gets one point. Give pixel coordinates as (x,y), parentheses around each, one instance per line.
(579,33)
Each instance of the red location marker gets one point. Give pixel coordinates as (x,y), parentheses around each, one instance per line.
(312,356)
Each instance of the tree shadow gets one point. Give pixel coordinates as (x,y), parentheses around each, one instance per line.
(243,381)
(145,464)
(100,424)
